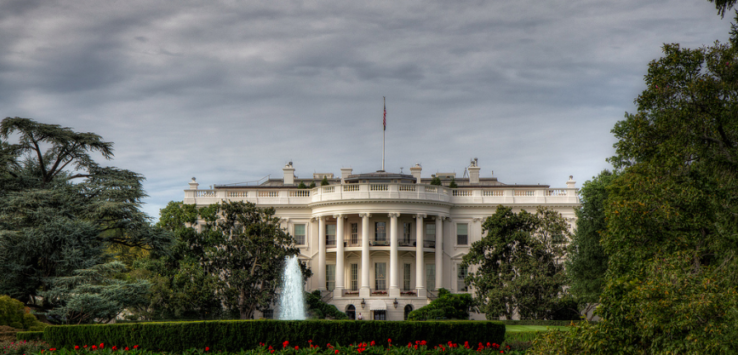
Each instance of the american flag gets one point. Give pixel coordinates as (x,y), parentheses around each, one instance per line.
(384,120)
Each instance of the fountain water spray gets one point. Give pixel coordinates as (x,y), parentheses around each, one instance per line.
(292,300)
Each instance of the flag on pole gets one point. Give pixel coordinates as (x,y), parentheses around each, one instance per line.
(384,120)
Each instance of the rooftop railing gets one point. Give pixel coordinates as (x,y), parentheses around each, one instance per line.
(468,195)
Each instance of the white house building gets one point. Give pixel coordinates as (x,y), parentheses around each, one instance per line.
(382,243)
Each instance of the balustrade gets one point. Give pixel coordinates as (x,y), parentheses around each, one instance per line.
(495,193)
(379,187)
(407,187)
(556,192)
(300,193)
(268,194)
(525,192)
(329,189)
(350,188)
(462,192)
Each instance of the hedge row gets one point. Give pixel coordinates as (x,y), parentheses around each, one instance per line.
(247,334)
(540,322)
(29,336)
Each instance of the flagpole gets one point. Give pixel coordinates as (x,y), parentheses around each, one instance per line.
(384,128)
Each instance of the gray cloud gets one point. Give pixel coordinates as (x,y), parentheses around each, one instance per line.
(230,91)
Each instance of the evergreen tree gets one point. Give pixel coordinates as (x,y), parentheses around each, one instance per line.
(324,182)
(453,183)
(436,181)
(60,211)
(302,185)
(312,184)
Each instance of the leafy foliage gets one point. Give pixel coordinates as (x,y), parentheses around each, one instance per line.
(324,182)
(517,264)
(302,185)
(453,184)
(312,184)
(446,306)
(586,258)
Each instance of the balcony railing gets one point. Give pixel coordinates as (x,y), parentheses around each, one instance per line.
(468,195)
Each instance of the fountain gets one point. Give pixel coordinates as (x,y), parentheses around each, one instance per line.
(292,300)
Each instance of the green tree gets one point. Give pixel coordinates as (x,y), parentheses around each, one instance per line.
(672,231)
(60,211)
(586,258)
(181,289)
(13,314)
(324,182)
(302,185)
(723,5)
(517,264)
(312,184)
(453,184)
(246,248)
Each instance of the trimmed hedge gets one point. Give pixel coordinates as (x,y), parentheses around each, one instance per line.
(29,336)
(247,334)
(540,322)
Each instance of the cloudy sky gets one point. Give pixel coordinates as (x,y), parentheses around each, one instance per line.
(230,91)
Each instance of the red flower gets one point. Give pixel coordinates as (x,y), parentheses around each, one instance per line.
(102,346)
(389,340)
(416,346)
(372,344)
(284,345)
(135,347)
(207,348)
(85,346)
(115,348)
(409,345)
(336,352)
(126,349)
(423,342)
(76,347)
(310,341)
(52,349)
(94,347)
(271,351)
(297,347)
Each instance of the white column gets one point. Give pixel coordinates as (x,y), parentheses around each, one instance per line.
(419,254)
(338,292)
(394,289)
(321,253)
(364,291)
(439,252)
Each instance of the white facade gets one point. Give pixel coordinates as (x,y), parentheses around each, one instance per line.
(359,234)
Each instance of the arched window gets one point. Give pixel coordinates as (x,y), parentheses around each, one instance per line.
(351,312)
(408,309)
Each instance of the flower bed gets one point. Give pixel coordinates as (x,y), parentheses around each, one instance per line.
(418,347)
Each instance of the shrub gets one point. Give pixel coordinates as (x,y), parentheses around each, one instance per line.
(322,309)
(446,306)
(302,185)
(23,347)
(29,336)
(13,313)
(247,334)
(324,182)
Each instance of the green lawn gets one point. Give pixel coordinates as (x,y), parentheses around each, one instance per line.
(532,328)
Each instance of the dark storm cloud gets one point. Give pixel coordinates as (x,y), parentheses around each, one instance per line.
(230,91)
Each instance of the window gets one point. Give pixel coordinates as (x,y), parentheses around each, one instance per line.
(354,277)
(430,276)
(406,277)
(299,234)
(330,276)
(408,309)
(406,234)
(380,231)
(380,276)
(354,233)
(460,284)
(380,315)
(430,236)
(330,234)
(462,234)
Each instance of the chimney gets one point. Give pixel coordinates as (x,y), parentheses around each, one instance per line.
(345,172)
(289,174)
(415,172)
(474,171)
(571,183)
(193,184)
